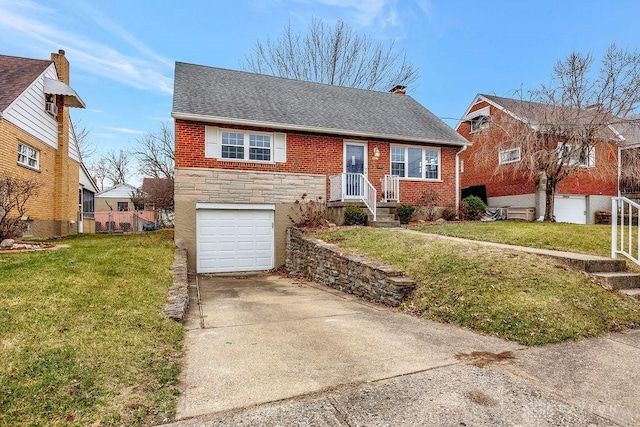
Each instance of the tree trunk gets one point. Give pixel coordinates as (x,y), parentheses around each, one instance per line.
(550,192)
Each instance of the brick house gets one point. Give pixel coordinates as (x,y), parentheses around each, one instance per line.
(37,142)
(577,197)
(249,145)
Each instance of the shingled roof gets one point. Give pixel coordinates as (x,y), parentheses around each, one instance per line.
(225,96)
(16,74)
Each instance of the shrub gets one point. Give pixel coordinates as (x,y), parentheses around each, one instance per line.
(309,212)
(125,226)
(449,213)
(98,226)
(354,215)
(404,213)
(473,208)
(429,201)
(14,195)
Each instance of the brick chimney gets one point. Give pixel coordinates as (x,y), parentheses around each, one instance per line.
(62,66)
(399,89)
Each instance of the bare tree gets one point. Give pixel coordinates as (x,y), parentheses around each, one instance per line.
(565,123)
(155,153)
(88,147)
(14,194)
(334,55)
(112,168)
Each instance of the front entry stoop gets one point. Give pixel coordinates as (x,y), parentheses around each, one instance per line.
(624,281)
(386,218)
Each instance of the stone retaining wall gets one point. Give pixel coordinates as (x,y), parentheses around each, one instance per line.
(178,301)
(326,263)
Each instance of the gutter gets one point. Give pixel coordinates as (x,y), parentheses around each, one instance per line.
(458,178)
(313,129)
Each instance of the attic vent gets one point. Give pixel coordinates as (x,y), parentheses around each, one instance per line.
(51,109)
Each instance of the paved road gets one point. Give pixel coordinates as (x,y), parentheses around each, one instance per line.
(267,350)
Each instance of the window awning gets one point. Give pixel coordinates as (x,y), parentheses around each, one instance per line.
(56,87)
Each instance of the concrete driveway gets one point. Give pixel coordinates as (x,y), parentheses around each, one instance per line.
(295,352)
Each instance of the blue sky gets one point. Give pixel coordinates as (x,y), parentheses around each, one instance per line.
(122,52)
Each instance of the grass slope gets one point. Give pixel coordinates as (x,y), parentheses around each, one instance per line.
(82,336)
(521,297)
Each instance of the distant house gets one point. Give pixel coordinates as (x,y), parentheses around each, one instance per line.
(37,142)
(117,198)
(249,145)
(577,197)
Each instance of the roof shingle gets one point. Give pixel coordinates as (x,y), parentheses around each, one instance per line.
(215,93)
(16,74)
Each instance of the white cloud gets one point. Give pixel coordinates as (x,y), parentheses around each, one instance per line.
(31,24)
(127,130)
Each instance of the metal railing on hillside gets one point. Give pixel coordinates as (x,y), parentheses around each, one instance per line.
(625,236)
(353,186)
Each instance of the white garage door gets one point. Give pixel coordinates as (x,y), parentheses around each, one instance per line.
(230,240)
(571,209)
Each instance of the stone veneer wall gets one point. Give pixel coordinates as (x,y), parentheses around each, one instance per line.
(326,263)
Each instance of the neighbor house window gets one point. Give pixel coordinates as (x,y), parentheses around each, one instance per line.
(246,146)
(479,123)
(27,156)
(123,206)
(584,156)
(414,162)
(509,156)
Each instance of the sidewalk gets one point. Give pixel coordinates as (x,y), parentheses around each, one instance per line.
(274,351)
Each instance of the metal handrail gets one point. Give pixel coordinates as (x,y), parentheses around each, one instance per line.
(624,245)
(391,188)
(353,186)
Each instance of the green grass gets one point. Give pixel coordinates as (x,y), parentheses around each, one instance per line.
(588,239)
(513,295)
(82,337)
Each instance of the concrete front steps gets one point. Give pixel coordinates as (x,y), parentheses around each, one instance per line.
(385,218)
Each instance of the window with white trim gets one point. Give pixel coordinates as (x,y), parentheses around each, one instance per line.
(28,156)
(415,162)
(479,123)
(511,155)
(584,156)
(246,146)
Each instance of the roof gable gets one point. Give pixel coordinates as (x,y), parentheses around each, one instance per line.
(16,75)
(119,191)
(226,96)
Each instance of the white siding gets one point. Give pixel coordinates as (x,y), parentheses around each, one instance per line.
(27,111)
(74,150)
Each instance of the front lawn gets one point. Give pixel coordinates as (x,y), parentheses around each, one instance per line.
(588,239)
(513,295)
(83,340)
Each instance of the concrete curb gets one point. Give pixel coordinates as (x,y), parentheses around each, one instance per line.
(178,301)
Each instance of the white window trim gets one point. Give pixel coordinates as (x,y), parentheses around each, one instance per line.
(501,152)
(406,157)
(26,164)
(590,160)
(213,145)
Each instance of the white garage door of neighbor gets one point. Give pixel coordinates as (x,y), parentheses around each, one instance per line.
(571,209)
(230,240)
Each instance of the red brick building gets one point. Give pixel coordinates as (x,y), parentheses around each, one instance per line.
(577,197)
(249,145)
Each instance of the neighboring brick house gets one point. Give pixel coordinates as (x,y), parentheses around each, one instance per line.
(577,197)
(37,142)
(249,145)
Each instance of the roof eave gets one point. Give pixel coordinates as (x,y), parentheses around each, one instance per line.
(287,126)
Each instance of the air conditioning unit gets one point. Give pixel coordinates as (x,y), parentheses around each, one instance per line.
(51,108)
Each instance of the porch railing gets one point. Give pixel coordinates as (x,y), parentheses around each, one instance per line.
(625,235)
(391,188)
(353,186)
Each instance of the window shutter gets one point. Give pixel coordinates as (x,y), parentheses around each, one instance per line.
(280,140)
(211,142)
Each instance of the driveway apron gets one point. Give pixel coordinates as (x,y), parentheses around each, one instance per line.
(254,339)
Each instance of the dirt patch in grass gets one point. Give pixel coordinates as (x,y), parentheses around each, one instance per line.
(484,358)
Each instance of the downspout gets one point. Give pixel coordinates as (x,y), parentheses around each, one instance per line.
(458,178)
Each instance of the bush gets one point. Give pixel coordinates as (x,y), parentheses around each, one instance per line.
(309,212)
(449,213)
(354,215)
(429,201)
(125,226)
(473,208)
(98,226)
(404,213)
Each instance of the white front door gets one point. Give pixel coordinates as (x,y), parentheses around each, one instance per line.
(355,165)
